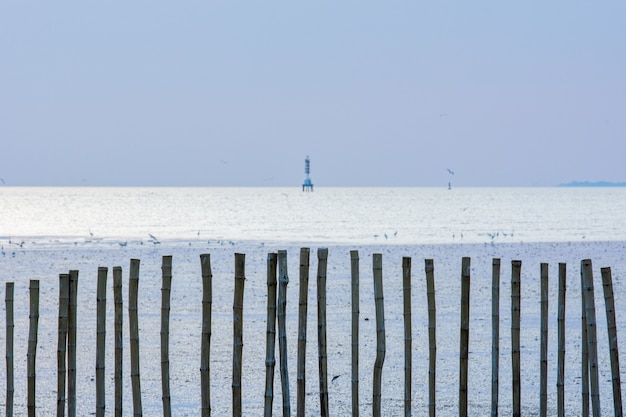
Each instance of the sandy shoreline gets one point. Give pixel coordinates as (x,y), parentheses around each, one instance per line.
(20,264)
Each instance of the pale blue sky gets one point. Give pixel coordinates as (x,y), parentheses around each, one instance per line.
(237,93)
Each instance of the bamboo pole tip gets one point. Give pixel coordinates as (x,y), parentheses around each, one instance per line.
(495,261)
(516,263)
(272,256)
(117,269)
(354,254)
(103,269)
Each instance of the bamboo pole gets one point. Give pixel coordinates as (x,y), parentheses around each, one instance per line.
(543,386)
(560,379)
(119,349)
(464,345)
(591,336)
(32,344)
(432,335)
(380,334)
(64,301)
(166,291)
(609,303)
(283,280)
(584,350)
(240,277)
(495,334)
(205,348)
(408,338)
(322,262)
(133,322)
(71,344)
(516,269)
(100,340)
(302,323)
(354,270)
(10,333)
(270,347)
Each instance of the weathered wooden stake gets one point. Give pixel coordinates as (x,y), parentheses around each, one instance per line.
(283,280)
(270,347)
(543,354)
(609,302)
(205,348)
(560,379)
(133,322)
(302,323)
(322,261)
(240,279)
(71,344)
(464,348)
(32,344)
(354,270)
(432,335)
(166,290)
(584,350)
(119,341)
(380,334)
(495,334)
(101,301)
(590,313)
(516,269)
(408,334)
(10,333)
(64,301)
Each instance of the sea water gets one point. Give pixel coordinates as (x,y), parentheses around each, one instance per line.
(47,231)
(327,215)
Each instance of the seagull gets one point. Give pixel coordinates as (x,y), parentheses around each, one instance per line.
(2,179)
(450,171)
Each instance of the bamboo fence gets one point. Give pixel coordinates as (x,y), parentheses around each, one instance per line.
(166,290)
(408,334)
(302,323)
(380,334)
(240,279)
(276,322)
(560,379)
(133,322)
(270,347)
(283,280)
(322,259)
(495,334)
(432,335)
(543,354)
(205,348)
(101,304)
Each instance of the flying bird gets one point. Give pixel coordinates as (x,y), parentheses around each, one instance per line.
(450,171)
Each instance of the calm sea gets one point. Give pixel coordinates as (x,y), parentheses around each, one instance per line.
(328,215)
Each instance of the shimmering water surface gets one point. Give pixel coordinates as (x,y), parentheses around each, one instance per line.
(328,215)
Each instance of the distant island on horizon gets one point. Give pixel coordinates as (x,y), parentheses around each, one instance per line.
(593,184)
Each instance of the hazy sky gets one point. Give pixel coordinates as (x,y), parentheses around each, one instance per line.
(378,93)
